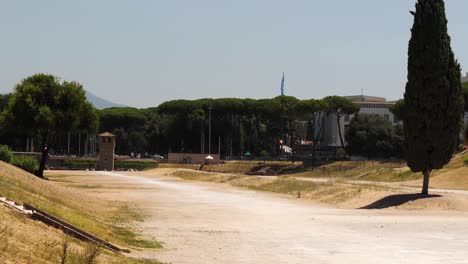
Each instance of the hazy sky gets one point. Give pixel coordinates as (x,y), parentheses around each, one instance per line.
(141,52)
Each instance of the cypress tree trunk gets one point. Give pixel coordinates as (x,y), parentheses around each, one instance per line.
(425,188)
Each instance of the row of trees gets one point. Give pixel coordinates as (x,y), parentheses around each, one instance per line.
(239,125)
(182,125)
(432,109)
(46,110)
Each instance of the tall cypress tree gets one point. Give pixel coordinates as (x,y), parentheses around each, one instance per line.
(433,98)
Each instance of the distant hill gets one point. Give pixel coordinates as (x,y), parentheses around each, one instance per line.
(99,102)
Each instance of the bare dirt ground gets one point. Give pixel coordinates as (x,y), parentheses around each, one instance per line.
(216,223)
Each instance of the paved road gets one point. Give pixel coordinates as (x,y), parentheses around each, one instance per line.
(212,223)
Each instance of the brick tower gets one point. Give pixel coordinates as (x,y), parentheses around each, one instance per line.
(106,151)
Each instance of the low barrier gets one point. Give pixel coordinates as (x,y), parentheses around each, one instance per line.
(70,229)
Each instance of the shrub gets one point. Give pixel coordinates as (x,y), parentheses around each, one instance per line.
(119,164)
(5,153)
(80,164)
(340,153)
(373,136)
(461,148)
(465,161)
(26,163)
(264,154)
(136,165)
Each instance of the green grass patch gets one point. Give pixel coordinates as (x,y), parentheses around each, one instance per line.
(83,164)
(80,164)
(136,165)
(288,186)
(404,174)
(132,239)
(83,186)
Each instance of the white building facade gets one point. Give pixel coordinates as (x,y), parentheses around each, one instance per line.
(368,105)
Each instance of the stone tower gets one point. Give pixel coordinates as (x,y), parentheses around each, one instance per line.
(106,151)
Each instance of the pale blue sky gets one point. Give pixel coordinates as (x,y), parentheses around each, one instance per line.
(141,52)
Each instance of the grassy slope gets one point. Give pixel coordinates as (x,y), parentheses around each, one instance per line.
(101,218)
(452,175)
(336,193)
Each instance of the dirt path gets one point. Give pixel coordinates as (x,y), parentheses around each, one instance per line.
(212,223)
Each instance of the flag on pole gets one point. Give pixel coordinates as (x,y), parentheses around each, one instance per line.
(282,86)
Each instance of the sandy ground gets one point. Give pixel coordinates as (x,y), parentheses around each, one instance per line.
(213,223)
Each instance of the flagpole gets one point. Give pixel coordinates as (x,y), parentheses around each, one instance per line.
(282,86)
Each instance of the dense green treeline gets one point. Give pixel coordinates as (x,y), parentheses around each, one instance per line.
(183,125)
(240,125)
(237,125)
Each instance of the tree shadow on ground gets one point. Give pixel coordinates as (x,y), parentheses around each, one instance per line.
(396,200)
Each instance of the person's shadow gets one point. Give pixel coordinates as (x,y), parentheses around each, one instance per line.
(396,200)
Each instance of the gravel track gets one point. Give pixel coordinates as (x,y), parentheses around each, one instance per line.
(212,223)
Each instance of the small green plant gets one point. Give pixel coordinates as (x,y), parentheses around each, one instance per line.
(5,153)
(340,153)
(264,153)
(465,161)
(26,163)
(404,174)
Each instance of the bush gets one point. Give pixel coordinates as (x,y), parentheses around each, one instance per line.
(5,153)
(136,165)
(340,154)
(80,164)
(461,148)
(373,136)
(264,154)
(26,163)
(119,164)
(465,161)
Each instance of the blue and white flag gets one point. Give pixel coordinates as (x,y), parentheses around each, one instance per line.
(282,86)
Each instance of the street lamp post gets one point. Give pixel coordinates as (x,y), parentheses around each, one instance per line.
(209,130)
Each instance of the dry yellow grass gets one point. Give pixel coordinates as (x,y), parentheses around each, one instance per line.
(337,193)
(102,218)
(362,170)
(391,172)
(452,179)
